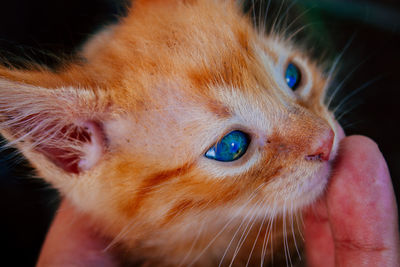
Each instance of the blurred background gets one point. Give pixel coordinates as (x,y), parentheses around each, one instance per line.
(366,33)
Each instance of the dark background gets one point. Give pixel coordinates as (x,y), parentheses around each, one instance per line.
(48,31)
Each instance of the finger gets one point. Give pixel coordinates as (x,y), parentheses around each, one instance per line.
(362,207)
(318,236)
(71,242)
(319,245)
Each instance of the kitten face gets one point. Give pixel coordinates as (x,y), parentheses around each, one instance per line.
(160,89)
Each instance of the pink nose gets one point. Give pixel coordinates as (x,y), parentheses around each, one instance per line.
(323,148)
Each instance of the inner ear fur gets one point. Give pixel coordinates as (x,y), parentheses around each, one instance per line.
(64,123)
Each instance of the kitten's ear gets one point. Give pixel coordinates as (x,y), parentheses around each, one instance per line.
(63,124)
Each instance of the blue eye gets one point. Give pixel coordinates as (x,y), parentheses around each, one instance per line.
(231,147)
(292,76)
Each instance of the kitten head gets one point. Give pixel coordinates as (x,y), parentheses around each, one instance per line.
(180,116)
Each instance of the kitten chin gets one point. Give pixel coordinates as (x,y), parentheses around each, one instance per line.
(317,182)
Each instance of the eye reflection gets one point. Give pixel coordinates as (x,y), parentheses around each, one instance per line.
(292,76)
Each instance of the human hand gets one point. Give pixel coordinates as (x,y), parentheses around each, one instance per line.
(72,242)
(355,223)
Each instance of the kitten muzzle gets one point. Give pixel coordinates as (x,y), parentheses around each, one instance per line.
(323,149)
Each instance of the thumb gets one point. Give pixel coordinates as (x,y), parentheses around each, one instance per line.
(362,207)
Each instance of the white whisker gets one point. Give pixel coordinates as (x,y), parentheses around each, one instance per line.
(245,234)
(287,28)
(124,231)
(251,197)
(292,228)
(284,234)
(351,124)
(336,62)
(340,85)
(277,16)
(299,228)
(193,244)
(344,112)
(284,15)
(268,235)
(356,91)
(258,234)
(266,16)
(302,28)
(253,12)
(237,231)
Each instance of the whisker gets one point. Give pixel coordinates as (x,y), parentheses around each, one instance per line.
(253,12)
(193,244)
(284,15)
(268,235)
(251,197)
(293,234)
(352,124)
(277,16)
(340,85)
(302,28)
(266,16)
(295,19)
(244,235)
(236,232)
(298,224)
(359,89)
(124,231)
(347,111)
(258,234)
(336,62)
(260,5)
(285,241)
(272,243)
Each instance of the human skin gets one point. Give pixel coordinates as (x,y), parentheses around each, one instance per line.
(72,242)
(355,222)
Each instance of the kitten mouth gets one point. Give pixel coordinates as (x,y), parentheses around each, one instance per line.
(317,183)
(313,186)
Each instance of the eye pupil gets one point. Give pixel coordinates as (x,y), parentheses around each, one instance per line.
(231,147)
(292,76)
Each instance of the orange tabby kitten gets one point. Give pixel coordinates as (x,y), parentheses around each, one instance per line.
(187,143)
